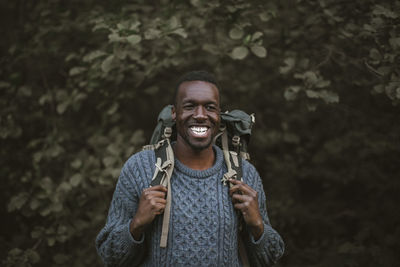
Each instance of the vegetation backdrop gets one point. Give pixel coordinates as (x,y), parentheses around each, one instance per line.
(82,83)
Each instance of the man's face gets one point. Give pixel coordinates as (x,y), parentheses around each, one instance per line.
(197,114)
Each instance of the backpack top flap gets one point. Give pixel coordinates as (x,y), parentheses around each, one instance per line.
(238,123)
(164,120)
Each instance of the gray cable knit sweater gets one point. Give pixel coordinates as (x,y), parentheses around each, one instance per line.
(203,226)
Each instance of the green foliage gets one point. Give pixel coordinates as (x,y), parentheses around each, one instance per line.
(83,81)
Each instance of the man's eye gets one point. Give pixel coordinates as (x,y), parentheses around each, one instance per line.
(211,107)
(188,106)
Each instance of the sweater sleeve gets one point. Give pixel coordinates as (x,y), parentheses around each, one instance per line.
(269,247)
(114,243)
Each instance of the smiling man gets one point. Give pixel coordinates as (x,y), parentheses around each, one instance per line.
(204,225)
(196,113)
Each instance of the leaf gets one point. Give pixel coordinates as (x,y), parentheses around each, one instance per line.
(135,26)
(173,22)
(394,42)
(259,51)
(115,37)
(114,149)
(152,33)
(25,91)
(181,32)
(381,10)
(322,83)
(328,96)
(240,52)
(291,92)
(51,241)
(18,201)
(37,232)
(196,3)
(106,66)
(264,16)
(236,33)
(109,161)
(93,55)
(100,25)
(76,179)
(378,89)
(247,39)
(64,187)
(134,39)
(44,212)
(113,108)
(310,77)
(289,64)
(374,54)
(47,184)
(76,70)
(212,49)
(62,107)
(32,255)
(55,150)
(34,204)
(312,94)
(256,36)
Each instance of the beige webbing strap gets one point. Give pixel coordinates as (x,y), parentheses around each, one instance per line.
(230,174)
(225,149)
(167,210)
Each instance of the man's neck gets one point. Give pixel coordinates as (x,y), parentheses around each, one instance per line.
(194,159)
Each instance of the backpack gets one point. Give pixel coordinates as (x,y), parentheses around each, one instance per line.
(233,138)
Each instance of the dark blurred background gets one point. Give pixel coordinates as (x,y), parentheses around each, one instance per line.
(82,83)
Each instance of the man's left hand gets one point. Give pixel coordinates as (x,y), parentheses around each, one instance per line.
(245,199)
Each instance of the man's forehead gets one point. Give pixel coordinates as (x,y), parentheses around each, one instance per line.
(196,88)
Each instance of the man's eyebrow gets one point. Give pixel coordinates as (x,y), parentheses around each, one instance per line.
(189,100)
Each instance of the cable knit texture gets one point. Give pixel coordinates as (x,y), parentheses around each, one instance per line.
(203,228)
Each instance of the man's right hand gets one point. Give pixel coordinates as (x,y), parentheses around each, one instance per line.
(152,203)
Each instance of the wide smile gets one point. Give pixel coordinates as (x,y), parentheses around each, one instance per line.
(199,131)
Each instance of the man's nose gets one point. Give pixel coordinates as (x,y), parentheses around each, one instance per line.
(200,113)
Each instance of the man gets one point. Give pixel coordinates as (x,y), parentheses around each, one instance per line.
(203,228)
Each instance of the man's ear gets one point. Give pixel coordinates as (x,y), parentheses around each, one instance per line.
(173,113)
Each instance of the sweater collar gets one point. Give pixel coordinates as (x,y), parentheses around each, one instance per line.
(179,166)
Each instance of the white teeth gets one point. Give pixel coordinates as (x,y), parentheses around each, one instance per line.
(199,130)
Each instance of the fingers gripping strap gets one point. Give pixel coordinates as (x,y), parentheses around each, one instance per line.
(229,175)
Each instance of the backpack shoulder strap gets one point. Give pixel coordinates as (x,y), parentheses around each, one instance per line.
(233,160)
(234,165)
(164,167)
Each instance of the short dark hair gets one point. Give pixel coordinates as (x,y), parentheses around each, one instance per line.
(196,75)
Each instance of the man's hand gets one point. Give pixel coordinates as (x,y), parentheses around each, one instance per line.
(152,203)
(245,199)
